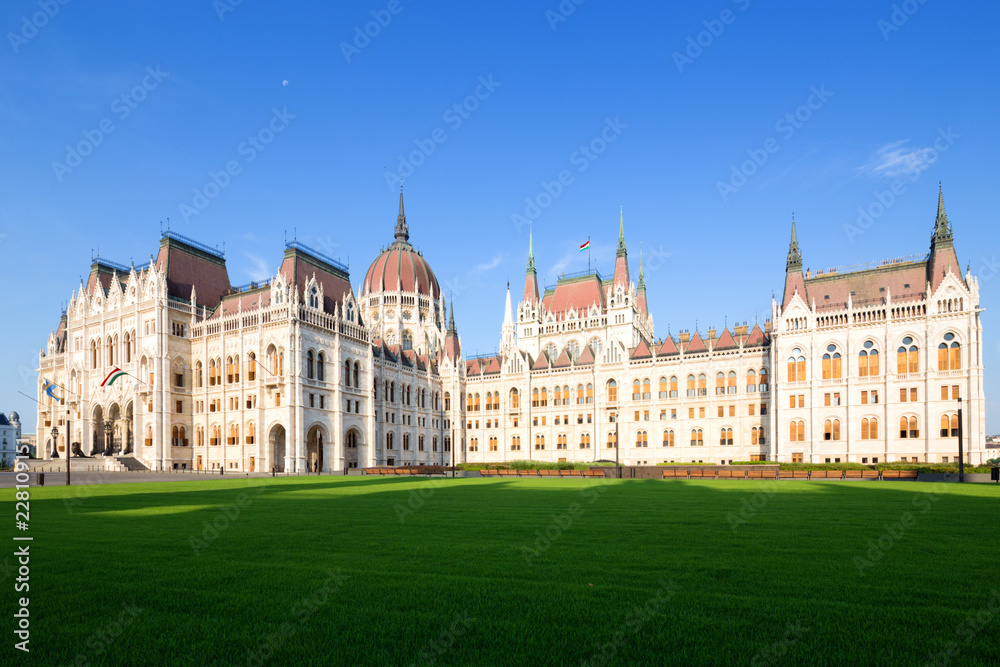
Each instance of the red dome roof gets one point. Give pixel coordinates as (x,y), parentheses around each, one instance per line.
(400,267)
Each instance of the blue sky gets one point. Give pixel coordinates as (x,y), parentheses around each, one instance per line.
(835,102)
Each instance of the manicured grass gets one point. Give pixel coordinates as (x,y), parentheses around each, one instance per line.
(779,581)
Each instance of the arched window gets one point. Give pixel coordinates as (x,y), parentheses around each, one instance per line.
(908,427)
(128,347)
(831,429)
(765,379)
(475,405)
(751,381)
(868,365)
(731,383)
(515,399)
(251,367)
(93,355)
(664,391)
(635,390)
(566,395)
(703,385)
(447,400)
(949,354)
(409,402)
(612,440)
(581,395)
(310,365)
(691,386)
(641,439)
(646,390)
(357,374)
(673,386)
(720,383)
(584,441)
(697,437)
(726,436)
(198,374)
(545,397)
(515,443)
(407,340)
(321,367)
(831,363)
(757,434)
(796,366)
(590,393)
(389,440)
(347,373)
(612,391)
(392,392)
(558,396)
(539,442)
(251,434)
(908,357)
(668,438)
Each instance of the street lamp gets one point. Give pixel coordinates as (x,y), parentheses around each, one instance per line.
(108,448)
(55,442)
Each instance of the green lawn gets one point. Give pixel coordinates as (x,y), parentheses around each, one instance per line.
(399,571)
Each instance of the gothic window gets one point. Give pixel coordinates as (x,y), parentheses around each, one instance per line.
(949,354)
(702,385)
(751,381)
(574,350)
(868,360)
(831,429)
(321,367)
(515,399)
(831,363)
(908,357)
(407,340)
(251,368)
(668,438)
(796,366)
(726,436)
(690,386)
(314,298)
(612,391)
(720,383)
(908,427)
(357,375)
(697,437)
(635,390)
(310,365)
(673,386)
(646,390)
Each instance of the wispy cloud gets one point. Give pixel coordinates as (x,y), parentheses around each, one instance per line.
(492,264)
(894,159)
(259,270)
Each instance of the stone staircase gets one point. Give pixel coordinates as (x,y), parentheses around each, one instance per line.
(132,464)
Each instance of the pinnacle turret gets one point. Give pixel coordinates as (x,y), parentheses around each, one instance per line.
(402,231)
(942,228)
(794,255)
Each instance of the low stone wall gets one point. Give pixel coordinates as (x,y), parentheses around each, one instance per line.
(974,477)
(656,472)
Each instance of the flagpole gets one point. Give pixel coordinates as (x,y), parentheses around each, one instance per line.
(588,254)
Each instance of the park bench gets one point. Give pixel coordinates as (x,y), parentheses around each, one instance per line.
(852,474)
(786,474)
(504,472)
(592,473)
(899,474)
(527,473)
(732,474)
(870,474)
(761,474)
(827,474)
(670,473)
(548,473)
(569,473)
(709,474)
(487,473)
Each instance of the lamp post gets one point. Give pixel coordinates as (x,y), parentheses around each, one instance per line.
(961,454)
(618,467)
(108,447)
(55,441)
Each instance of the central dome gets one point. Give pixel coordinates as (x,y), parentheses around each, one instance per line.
(400,268)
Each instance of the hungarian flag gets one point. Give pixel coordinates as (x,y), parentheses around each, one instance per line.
(112,376)
(585,246)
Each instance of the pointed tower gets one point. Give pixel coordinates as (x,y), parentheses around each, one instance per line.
(531,277)
(452,345)
(943,253)
(621,262)
(402,231)
(640,289)
(508,337)
(795,281)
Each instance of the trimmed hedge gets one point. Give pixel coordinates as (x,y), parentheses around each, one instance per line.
(919,467)
(526,465)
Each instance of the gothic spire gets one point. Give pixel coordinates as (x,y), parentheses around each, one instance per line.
(641,287)
(451,318)
(794,256)
(508,317)
(531,255)
(621,232)
(402,231)
(942,228)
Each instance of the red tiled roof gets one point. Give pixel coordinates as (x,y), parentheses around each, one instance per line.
(937,266)
(725,341)
(794,284)
(186,267)
(621,272)
(575,295)
(563,361)
(244,301)
(494,366)
(641,351)
(667,347)
(401,267)
(904,281)
(531,288)
(298,267)
(696,344)
(756,337)
(452,347)
(540,363)
(586,357)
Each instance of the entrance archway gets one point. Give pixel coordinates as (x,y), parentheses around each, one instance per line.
(352,443)
(276,443)
(97,444)
(314,449)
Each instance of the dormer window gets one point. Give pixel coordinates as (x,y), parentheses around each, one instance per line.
(314,298)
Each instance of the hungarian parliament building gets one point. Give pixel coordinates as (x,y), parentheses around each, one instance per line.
(301,374)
